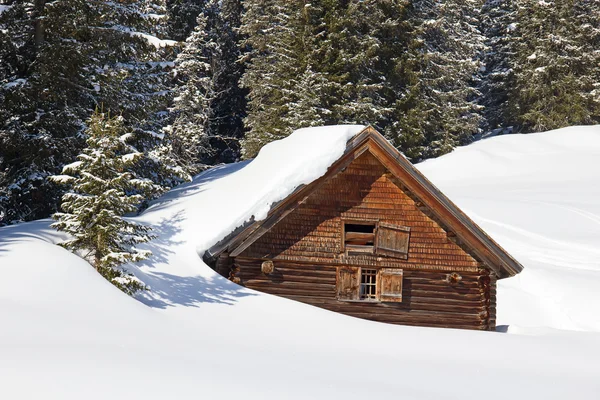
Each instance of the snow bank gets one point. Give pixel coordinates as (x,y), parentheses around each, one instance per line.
(537,195)
(68,334)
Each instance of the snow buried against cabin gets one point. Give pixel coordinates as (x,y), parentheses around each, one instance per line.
(68,334)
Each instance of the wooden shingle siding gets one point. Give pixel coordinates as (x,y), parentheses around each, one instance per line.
(313,232)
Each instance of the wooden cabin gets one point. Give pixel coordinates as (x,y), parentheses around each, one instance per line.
(374,239)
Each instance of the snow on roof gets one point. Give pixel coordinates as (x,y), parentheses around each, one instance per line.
(286,164)
(249,192)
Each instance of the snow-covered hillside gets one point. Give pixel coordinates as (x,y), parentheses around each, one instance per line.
(67,334)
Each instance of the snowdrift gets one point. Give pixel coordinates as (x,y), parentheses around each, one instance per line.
(65,333)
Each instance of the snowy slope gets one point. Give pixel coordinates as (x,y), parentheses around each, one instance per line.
(539,197)
(67,334)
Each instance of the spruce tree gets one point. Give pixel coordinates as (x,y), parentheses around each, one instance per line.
(63,58)
(182,17)
(228,105)
(209,105)
(270,28)
(321,62)
(498,24)
(101,194)
(193,94)
(439,110)
(556,70)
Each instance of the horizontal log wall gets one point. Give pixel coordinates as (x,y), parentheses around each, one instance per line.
(428,298)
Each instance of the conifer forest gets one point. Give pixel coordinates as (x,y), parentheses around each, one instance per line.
(134,97)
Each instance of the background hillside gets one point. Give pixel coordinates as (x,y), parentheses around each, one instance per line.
(67,333)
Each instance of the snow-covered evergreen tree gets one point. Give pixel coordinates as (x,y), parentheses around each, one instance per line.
(320,62)
(305,106)
(361,50)
(556,70)
(182,17)
(439,110)
(63,58)
(102,183)
(193,94)
(272,64)
(498,24)
(228,105)
(209,105)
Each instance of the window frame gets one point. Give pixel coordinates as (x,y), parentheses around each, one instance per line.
(343,295)
(359,250)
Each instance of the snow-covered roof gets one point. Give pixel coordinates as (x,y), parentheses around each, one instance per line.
(308,154)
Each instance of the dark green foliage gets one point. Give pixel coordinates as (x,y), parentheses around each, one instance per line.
(60,59)
(556,65)
(498,24)
(182,15)
(324,62)
(227,108)
(438,111)
(209,104)
(102,183)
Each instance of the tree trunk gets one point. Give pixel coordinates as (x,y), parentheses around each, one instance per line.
(38,24)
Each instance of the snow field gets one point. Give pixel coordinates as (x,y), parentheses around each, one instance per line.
(65,333)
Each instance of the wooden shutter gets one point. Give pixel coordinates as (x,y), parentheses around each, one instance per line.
(348,283)
(392,240)
(390,284)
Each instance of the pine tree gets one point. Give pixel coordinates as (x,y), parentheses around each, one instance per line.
(209,105)
(361,48)
(193,94)
(228,105)
(498,24)
(65,57)
(271,30)
(320,62)
(556,71)
(439,110)
(102,183)
(182,17)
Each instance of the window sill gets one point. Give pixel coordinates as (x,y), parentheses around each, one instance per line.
(361,301)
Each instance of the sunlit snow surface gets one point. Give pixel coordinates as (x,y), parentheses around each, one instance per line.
(65,333)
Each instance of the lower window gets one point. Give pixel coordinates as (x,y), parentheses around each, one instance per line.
(368,284)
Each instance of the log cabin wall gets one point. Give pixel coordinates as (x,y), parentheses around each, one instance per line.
(442,284)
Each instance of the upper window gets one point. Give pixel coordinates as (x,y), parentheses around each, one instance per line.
(359,237)
(374,237)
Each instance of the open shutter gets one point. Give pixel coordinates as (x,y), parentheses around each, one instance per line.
(348,283)
(390,284)
(392,240)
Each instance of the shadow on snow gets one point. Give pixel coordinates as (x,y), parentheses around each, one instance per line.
(166,289)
